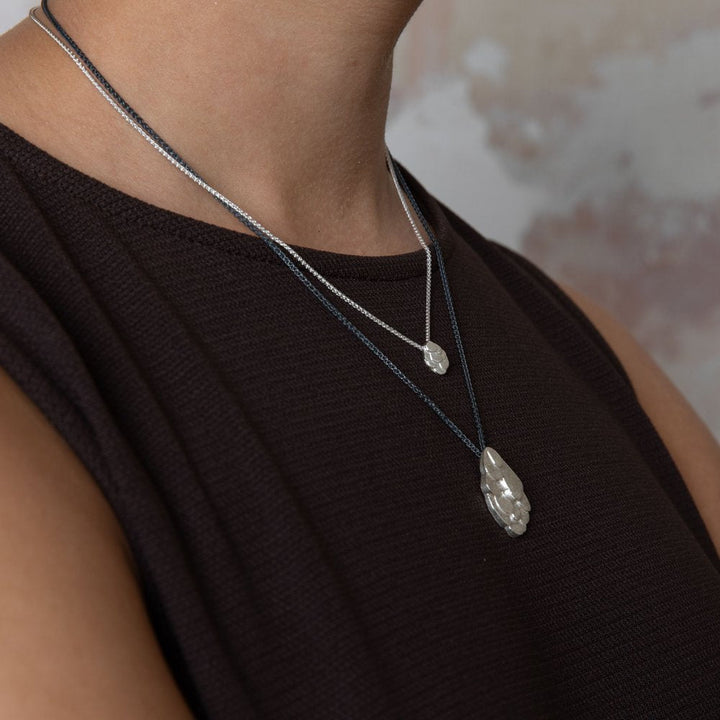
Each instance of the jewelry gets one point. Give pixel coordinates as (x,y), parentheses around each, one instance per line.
(501,487)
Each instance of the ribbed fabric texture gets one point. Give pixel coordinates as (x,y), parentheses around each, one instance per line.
(312,540)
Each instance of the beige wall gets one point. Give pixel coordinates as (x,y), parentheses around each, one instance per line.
(587,135)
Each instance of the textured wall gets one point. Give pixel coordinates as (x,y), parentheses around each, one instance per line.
(587,135)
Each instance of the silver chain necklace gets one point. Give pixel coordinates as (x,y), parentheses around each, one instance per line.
(502,489)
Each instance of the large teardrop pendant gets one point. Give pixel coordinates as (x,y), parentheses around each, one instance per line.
(504,493)
(435,358)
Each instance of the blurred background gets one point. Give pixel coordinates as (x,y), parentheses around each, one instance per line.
(586,135)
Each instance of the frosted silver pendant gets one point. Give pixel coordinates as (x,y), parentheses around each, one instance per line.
(504,494)
(435,358)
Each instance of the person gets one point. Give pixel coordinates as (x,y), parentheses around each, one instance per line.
(216,502)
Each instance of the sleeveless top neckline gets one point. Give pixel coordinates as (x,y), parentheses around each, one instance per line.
(135,211)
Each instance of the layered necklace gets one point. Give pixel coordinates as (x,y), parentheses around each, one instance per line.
(501,487)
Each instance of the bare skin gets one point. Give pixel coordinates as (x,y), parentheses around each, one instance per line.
(281,106)
(289,121)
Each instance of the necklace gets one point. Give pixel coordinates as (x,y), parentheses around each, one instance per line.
(502,489)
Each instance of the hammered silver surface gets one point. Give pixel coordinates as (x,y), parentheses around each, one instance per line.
(504,493)
(435,358)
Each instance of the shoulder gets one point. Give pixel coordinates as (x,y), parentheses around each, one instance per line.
(75,626)
(689,441)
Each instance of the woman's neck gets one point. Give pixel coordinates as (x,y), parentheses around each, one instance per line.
(281,105)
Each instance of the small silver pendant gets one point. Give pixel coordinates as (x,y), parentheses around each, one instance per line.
(435,358)
(504,494)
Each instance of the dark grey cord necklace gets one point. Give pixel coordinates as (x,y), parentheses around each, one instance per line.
(501,487)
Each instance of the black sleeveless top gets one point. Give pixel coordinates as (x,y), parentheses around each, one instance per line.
(312,539)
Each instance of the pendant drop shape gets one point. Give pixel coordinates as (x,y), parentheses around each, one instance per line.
(435,358)
(504,493)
